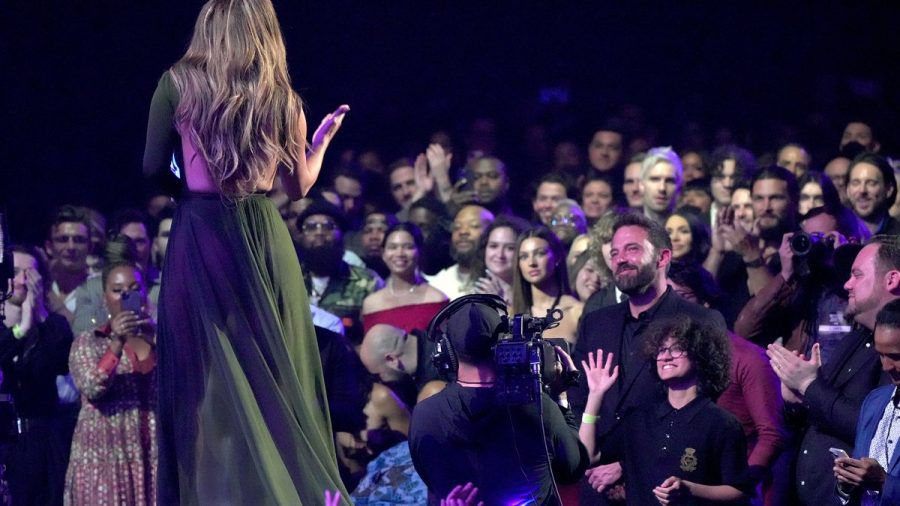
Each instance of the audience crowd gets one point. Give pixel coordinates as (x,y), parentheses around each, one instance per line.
(733,315)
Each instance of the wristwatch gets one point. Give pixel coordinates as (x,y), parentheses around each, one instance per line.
(755,264)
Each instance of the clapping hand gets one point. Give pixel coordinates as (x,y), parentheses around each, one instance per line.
(671,490)
(795,371)
(600,376)
(332,498)
(462,495)
(424,180)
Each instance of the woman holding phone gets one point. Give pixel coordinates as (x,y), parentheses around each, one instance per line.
(113,455)
(242,411)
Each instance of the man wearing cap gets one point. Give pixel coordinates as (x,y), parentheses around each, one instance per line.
(464,434)
(332,284)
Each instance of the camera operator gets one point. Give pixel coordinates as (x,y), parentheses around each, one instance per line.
(805,303)
(34,349)
(466,434)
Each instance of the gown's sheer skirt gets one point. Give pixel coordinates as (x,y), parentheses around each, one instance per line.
(242,396)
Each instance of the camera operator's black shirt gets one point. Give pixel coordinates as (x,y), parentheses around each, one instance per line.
(465,435)
(700,442)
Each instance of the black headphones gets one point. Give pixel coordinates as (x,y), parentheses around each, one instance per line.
(444,356)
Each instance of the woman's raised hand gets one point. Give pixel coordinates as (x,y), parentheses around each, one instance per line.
(329,126)
(600,376)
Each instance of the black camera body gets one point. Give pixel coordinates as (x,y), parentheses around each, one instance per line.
(812,252)
(523,359)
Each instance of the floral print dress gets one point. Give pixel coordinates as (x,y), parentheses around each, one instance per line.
(114,452)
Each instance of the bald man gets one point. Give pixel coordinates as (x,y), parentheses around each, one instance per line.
(395,355)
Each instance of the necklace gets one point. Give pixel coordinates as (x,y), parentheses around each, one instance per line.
(411,289)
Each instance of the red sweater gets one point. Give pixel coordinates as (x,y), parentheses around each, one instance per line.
(754,398)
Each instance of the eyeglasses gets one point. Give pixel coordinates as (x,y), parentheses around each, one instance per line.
(568,219)
(675,351)
(311,226)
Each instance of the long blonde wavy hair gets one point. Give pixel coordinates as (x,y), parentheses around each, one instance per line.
(237,105)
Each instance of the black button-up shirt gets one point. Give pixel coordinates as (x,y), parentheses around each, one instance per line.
(700,442)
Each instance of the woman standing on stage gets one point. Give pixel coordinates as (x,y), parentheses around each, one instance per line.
(242,410)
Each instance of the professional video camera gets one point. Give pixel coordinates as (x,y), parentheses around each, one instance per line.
(525,362)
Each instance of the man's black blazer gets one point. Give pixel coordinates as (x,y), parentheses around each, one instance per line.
(604,329)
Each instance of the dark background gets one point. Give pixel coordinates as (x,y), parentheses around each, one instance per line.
(78,77)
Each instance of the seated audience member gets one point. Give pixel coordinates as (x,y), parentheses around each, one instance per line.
(136,226)
(404,187)
(661,181)
(816,190)
(34,350)
(489,182)
(584,276)
(541,283)
(695,166)
(551,189)
(113,458)
(432,218)
(873,474)
(837,171)
(824,399)
(497,256)
(753,395)
(862,133)
(697,194)
(67,247)
(348,184)
(468,225)
(742,203)
(730,164)
(596,197)
(689,234)
(332,283)
(600,243)
(607,148)
(794,158)
(871,189)
(631,182)
(567,157)
(464,433)
(375,224)
(400,359)
(386,424)
(391,477)
(727,266)
(775,194)
(568,222)
(808,306)
(683,448)
(407,300)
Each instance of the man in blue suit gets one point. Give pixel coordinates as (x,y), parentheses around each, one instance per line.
(873,475)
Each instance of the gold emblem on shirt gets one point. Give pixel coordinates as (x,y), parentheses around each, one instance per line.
(689,460)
